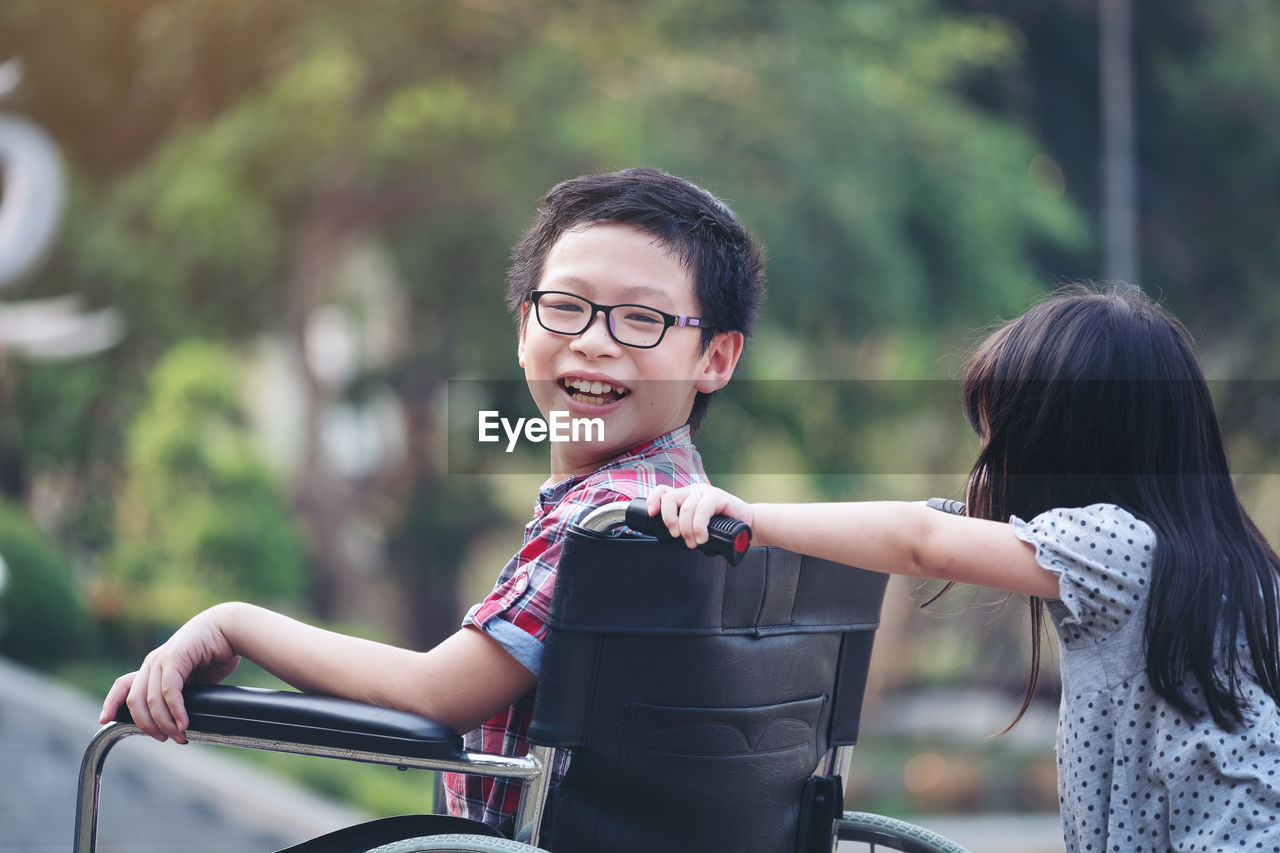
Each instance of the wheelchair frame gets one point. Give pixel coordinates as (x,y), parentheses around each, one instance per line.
(262,719)
(327,727)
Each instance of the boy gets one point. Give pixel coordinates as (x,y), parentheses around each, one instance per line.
(654,255)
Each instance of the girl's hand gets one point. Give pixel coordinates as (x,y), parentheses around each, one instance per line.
(198,651)
(688,510)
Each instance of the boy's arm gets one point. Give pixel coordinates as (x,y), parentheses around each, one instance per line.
(462,682)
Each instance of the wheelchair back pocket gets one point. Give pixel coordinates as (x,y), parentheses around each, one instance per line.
(711,778)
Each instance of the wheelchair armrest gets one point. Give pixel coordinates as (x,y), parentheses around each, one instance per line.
(323,721)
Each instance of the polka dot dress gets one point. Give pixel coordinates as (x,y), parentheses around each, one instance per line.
(1135,776)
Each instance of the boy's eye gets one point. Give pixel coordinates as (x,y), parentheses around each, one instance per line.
(564,307)
(642,317)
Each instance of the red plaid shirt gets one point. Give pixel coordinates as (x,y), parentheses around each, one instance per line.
(515,613)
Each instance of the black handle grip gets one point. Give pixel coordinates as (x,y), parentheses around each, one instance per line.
(729,538)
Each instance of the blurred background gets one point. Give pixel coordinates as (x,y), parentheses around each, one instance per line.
(279,231)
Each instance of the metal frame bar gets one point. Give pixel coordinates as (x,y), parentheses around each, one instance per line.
(604,517)
(533,800)
(838,761)
(535,769)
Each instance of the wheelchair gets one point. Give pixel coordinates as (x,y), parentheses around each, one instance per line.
(707,703)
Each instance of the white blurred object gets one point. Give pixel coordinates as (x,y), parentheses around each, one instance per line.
(34,189)
(58,328)
(359,440)
(32,197)
(331,345)
(10,76)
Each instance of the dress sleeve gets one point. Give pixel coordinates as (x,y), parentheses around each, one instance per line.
(1102,556)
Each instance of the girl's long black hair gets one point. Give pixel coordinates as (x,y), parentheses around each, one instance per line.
(1097,397)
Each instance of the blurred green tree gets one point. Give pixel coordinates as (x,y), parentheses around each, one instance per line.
(43,620)
(1207,116)
(199,518)
(253,147)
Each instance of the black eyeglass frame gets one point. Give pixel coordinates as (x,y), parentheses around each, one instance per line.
(668,320)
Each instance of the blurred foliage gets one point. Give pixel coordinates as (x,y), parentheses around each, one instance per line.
(43,621)
(218,190)
(1211,176)
(835,130)
(1207,116)
(199,519)
(899,775)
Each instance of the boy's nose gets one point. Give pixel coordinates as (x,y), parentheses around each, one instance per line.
(596,337)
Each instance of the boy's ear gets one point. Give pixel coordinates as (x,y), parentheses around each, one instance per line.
(718,362)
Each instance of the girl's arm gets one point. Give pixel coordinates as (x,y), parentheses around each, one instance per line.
(884,536)
(462,682)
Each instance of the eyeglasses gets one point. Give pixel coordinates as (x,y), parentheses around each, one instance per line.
(636,326)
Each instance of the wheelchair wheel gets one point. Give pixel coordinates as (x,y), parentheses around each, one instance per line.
(877,832)
(454,843)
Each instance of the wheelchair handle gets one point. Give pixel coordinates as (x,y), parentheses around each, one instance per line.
(729,538)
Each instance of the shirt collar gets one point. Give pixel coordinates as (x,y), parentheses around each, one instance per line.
(681,437)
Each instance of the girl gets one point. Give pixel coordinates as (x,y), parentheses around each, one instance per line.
(1097,426)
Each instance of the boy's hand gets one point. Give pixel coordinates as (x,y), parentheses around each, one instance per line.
(198,651)
(688,510)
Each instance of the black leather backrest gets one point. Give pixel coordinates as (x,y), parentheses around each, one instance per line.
(697,696)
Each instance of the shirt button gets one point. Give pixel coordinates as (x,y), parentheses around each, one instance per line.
(522,583)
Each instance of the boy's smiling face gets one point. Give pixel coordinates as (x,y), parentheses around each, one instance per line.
(650,390)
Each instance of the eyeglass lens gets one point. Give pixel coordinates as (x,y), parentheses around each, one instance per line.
(632,325)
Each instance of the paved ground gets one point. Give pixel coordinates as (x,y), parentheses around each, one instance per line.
(156,797)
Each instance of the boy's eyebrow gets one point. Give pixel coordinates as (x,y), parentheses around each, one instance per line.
(637,293)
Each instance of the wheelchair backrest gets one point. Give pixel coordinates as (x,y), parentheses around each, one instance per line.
(697,697)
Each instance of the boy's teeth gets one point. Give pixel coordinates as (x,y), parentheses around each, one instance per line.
(588,387)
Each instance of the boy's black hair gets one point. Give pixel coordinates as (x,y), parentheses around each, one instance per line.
(1097,397)
(726,263)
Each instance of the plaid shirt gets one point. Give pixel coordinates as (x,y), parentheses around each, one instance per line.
(515,613)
